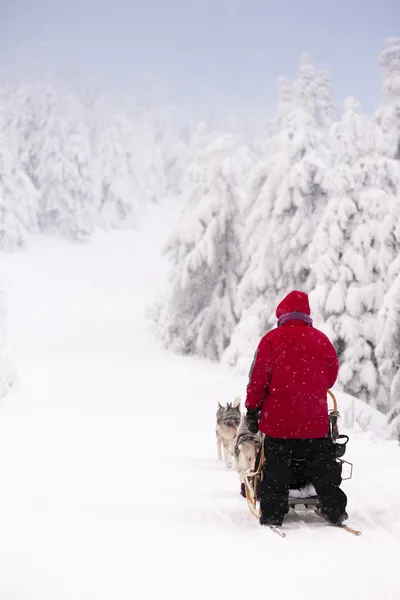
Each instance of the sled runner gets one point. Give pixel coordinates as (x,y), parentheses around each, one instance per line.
(300,488)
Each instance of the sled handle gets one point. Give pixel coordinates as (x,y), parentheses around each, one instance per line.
(332,395)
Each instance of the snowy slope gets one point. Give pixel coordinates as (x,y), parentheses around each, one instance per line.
(109,484)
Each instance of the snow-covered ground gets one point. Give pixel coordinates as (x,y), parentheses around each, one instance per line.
(109,484)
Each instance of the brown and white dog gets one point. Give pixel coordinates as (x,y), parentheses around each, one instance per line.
(246,448)
(228,420)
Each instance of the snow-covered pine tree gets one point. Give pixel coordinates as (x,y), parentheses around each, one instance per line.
(388,117)
(194,138)
(312,91)
(53,145)
(64,177)
(205,250)
(19,203)
(388,352)
(262,183)
(388,114)
(346,248)
(19,101)
(17,200)
(161,155)
(301,198)
(260,193)
(388,347)
(117,182)
(394,421)
(264,180)
(289,198)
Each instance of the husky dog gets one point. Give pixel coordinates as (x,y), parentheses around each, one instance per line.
(228,419)
(246,447)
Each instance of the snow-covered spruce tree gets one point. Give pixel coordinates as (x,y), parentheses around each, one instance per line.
(53,144)
(260,192)
(140,161)
(18,195)
(388,353)
(388,341)
(388,114)
(115,177)
(290,197)
(64,177)
(161,153)
(345,251)
(154,151)
(388,346)
(388,350)
(20,106)
(312,91)
(301,198)
(394,421)
(261,188)
(193,139)
(17,200)
(198,316)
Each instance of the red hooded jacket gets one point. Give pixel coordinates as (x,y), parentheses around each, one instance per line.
(293,368)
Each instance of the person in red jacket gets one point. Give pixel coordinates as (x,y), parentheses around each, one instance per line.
(294,366)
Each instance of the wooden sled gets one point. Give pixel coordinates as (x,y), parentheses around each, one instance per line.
(253,478)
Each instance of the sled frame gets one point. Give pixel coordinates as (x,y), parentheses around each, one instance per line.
(252,479)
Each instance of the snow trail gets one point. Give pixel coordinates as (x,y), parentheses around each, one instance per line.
(109,483)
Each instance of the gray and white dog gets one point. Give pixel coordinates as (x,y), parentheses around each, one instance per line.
(246,447)
(228,420)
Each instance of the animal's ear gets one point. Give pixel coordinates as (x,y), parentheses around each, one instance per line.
(219,405)
(228,405)
(236,402)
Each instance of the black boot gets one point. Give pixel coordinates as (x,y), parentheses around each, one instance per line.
(337,519)
(270,521)
(334,518)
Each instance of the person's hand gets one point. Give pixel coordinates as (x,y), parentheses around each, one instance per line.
(252,416)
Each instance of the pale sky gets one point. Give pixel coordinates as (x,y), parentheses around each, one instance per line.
(230,51)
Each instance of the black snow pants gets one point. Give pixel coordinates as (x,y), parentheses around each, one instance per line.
(323,471)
